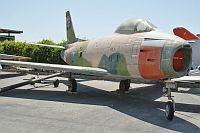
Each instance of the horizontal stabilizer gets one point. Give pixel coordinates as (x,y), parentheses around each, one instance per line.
(185,34)
(47,45)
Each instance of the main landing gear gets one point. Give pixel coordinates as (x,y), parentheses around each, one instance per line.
(72,85)
(124,86)
(56,83)
(170,105)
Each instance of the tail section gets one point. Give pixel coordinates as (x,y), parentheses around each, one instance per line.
(71,37)
(185,34)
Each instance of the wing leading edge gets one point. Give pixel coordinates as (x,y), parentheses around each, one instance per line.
(56,67)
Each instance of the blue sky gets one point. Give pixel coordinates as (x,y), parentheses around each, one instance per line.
(45,19)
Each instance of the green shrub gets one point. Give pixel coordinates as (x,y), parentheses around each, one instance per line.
(39,54)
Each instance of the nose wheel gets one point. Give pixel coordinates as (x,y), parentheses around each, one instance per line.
(169,110)
(170,104)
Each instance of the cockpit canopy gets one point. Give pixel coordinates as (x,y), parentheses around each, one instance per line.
(135,26)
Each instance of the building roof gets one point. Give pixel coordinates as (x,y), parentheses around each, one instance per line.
(10,31)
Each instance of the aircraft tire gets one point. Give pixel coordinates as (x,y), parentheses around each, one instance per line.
(56,83)
(124,85)
(128,84)
(169,111)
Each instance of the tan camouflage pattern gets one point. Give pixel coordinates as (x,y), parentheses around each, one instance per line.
(120,53)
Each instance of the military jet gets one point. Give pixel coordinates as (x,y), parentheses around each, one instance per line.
(136,50)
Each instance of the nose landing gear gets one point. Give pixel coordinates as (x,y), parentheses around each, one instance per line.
(170,105)
(169,110)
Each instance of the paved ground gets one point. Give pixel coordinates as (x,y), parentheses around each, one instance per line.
(96,108)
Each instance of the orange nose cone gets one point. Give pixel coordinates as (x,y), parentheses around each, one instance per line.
(179,60)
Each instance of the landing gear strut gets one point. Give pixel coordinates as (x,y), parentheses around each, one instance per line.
(124,86)
(72,85)
(170,105)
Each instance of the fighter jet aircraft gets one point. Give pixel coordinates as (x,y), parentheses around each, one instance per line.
(136,50)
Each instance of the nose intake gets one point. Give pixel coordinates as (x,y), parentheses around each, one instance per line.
(179,62)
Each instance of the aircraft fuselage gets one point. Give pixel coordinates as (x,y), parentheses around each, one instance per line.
(152,55)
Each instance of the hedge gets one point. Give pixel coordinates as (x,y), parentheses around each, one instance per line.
(38,54)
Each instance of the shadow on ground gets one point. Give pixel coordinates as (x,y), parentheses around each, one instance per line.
(11,75)
(139,103)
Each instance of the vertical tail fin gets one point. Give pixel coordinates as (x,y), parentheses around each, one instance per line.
(71,37)
(185,34)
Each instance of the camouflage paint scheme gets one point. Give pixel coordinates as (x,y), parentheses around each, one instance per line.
(137,49)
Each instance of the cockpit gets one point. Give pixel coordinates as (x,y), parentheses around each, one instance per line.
(135,26)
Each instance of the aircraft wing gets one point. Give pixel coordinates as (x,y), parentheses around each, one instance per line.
(47,45)
(184,82)
(13,57)
(195,79)
(64,68)
(194,72)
